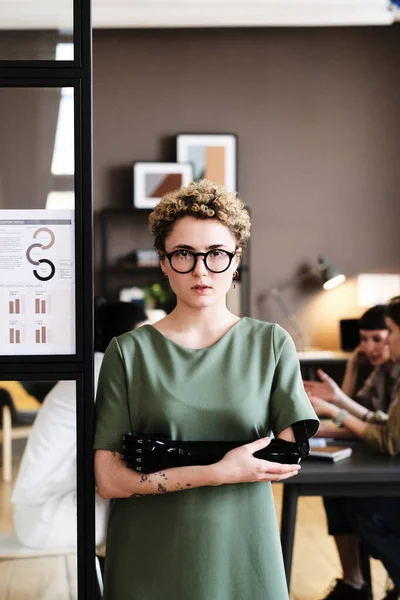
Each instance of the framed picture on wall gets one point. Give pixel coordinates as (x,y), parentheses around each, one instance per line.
(151,180)
(212,156)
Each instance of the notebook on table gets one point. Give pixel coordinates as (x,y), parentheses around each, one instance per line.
(331,453)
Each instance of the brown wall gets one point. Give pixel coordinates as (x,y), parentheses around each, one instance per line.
(28,119)
(318,120)
(28,45)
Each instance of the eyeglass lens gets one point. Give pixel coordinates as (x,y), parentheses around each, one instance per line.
(215,260)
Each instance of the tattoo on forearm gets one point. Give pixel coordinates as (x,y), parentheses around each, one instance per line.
(162,489)
(144,478)
(113,453)
(188,485)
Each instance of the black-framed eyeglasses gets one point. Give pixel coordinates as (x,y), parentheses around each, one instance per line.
(184,261)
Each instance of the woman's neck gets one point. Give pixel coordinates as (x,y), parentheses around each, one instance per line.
(196,328)
(185,317)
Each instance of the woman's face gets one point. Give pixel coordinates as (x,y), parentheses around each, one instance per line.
(393,339)
(374,345)
(200,288)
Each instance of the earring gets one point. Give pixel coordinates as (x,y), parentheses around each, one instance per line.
(164,276)
(235,276)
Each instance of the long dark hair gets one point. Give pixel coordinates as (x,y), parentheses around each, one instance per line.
(374,318)
(393,310)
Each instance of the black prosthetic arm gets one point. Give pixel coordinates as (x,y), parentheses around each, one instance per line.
(148,453)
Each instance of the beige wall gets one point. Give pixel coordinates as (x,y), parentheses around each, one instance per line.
(318,119)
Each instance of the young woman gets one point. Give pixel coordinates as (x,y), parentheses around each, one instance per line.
(380,389)
(201,373)
(373,401)
(377,520)
(372,354)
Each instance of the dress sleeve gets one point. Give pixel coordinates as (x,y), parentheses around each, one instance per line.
(289,401)
(385,437)
(112,412)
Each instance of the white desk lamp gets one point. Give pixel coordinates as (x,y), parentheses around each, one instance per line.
(329,277)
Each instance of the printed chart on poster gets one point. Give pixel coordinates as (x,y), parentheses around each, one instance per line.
(37,282)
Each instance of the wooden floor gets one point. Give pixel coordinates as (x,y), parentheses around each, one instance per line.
(38,579)
(315,562)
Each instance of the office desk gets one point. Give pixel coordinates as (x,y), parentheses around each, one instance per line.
(363,474)
(323,356)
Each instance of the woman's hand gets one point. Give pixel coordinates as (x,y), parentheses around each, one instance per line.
(240,466)
(356,357)
(322,407)
(326,389)
(330,430)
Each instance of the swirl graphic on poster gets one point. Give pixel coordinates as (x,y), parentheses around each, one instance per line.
(51,266)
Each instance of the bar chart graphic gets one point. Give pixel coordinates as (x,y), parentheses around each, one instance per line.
(16,335)
(37,282)
(41,335)
(42,305)
(16,305)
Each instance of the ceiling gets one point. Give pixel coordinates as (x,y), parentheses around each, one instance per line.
(57,14)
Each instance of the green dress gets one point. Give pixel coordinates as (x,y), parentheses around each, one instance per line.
(209,543)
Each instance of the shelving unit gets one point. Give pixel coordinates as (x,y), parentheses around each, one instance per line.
(113,277)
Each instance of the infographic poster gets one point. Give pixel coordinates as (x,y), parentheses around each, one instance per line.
(37,282)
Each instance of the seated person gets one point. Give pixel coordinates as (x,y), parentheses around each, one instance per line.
(376,520)
(372,352)
(44,496)
(378,391)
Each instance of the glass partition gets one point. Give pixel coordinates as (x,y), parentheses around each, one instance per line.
(38,495)
(46,301)
(37,220)
(36,148)
(32,29)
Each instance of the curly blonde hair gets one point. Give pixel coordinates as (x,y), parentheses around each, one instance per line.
(202,200)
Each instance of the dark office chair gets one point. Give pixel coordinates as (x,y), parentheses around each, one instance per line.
(365,564)
(38,389)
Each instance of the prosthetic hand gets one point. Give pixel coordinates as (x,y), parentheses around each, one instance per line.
(148,453)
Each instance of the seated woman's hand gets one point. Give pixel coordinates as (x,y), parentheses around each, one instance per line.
(356,358)
(328,429)
(322,407)
(326,389)
(240,466)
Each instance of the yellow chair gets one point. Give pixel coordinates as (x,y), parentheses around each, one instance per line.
(18,410)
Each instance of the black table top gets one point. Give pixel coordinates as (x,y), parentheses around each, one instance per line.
(363,466)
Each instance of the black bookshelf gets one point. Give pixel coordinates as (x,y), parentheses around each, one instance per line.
(113,276)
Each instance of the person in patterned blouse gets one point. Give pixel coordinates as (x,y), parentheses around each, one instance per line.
(376,520)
